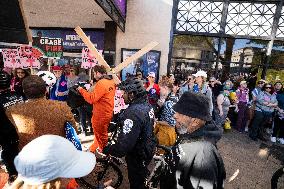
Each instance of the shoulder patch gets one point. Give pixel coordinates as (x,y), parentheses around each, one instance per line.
(127,126)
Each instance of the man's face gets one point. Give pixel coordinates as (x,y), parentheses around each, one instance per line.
(181,123)
(260,84)
(57,73)
(199,79)
(139,75)
(190,79)
(278,86)
(151,79)
(97,75)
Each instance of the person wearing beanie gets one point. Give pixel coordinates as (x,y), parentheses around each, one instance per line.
(9,139)
(194,161)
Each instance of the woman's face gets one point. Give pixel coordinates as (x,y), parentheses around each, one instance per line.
(57,73)
(72,72)
(151,79)
(268,88)
(164,91)
(172,79)
(21,73)
(199,79)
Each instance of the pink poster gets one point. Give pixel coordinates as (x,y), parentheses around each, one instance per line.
(119,102)
(29,56)
(88,60)
(11,58)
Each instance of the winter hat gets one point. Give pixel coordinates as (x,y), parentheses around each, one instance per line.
(194,105)
(152,74)
(49,157)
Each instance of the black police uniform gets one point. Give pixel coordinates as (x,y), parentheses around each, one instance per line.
(9,139)
(136,141)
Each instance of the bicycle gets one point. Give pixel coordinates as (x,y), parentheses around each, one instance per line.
(278,176)
(106,170)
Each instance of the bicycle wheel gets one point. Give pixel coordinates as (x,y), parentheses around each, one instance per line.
(104,169)
(277,180)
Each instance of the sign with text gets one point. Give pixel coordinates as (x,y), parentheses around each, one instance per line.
(119,103)
(29,56)
(51,47)
(88,60)
(11,58)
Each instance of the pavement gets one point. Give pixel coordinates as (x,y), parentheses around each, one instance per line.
(249,164)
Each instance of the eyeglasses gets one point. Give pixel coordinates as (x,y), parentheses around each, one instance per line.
(211,81)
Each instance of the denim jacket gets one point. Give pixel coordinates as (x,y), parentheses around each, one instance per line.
(265,97)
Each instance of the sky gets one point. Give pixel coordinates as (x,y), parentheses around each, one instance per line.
(241,43)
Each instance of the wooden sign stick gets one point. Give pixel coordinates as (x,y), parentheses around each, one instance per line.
(137,55)
(93,50)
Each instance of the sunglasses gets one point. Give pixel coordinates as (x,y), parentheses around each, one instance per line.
(268,87)
(71,70)
(20,72)
(260,82)
(139,74)
(211,81)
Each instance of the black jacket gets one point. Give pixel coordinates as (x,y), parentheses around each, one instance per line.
(194,162)
(8,133)
(135,133)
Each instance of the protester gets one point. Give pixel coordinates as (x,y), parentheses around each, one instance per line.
(243,99)
(59,91)
(194,161)
(216,87)
(278,129)
(135,138)
(72,77)
(16,82)
(171,78)
(38,116)
(223,104)
(266,102)
(202,87)
(9,139)
(48,161)
(153,91)
(165,127)
(188,85)
(278,87)
(102,99)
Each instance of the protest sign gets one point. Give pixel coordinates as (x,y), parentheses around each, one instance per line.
(88,60)
(51,47)
(29,56)
(119,102)
(11,58)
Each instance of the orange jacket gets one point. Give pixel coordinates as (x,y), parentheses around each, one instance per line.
(102,98)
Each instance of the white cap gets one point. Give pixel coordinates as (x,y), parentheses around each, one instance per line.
(49,157)
(152,74)
(200,73)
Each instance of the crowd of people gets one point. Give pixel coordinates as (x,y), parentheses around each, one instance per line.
(187,117)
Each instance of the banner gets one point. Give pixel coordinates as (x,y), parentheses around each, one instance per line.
(11,58)
(50,47)
(71,41)
(29,56)
(88,60)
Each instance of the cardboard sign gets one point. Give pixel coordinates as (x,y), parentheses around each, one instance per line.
(118,102)
(88,60)
(11,58)
(29,56)
(51,47)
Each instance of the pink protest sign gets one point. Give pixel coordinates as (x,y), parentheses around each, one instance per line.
(88,60)
(119,102)
(11,58)
(29,56)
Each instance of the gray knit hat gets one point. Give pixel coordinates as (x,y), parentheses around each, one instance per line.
(194,105)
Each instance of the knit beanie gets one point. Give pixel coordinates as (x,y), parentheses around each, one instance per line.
(195,105)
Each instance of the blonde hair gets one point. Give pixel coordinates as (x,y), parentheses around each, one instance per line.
(165,82)
(19,184)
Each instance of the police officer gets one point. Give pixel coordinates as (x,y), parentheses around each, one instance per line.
(9,139)
(135,138)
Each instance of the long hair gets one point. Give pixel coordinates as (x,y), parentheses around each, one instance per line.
(266,84)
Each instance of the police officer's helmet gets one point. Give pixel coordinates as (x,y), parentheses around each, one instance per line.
(133,85)
(4,80)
